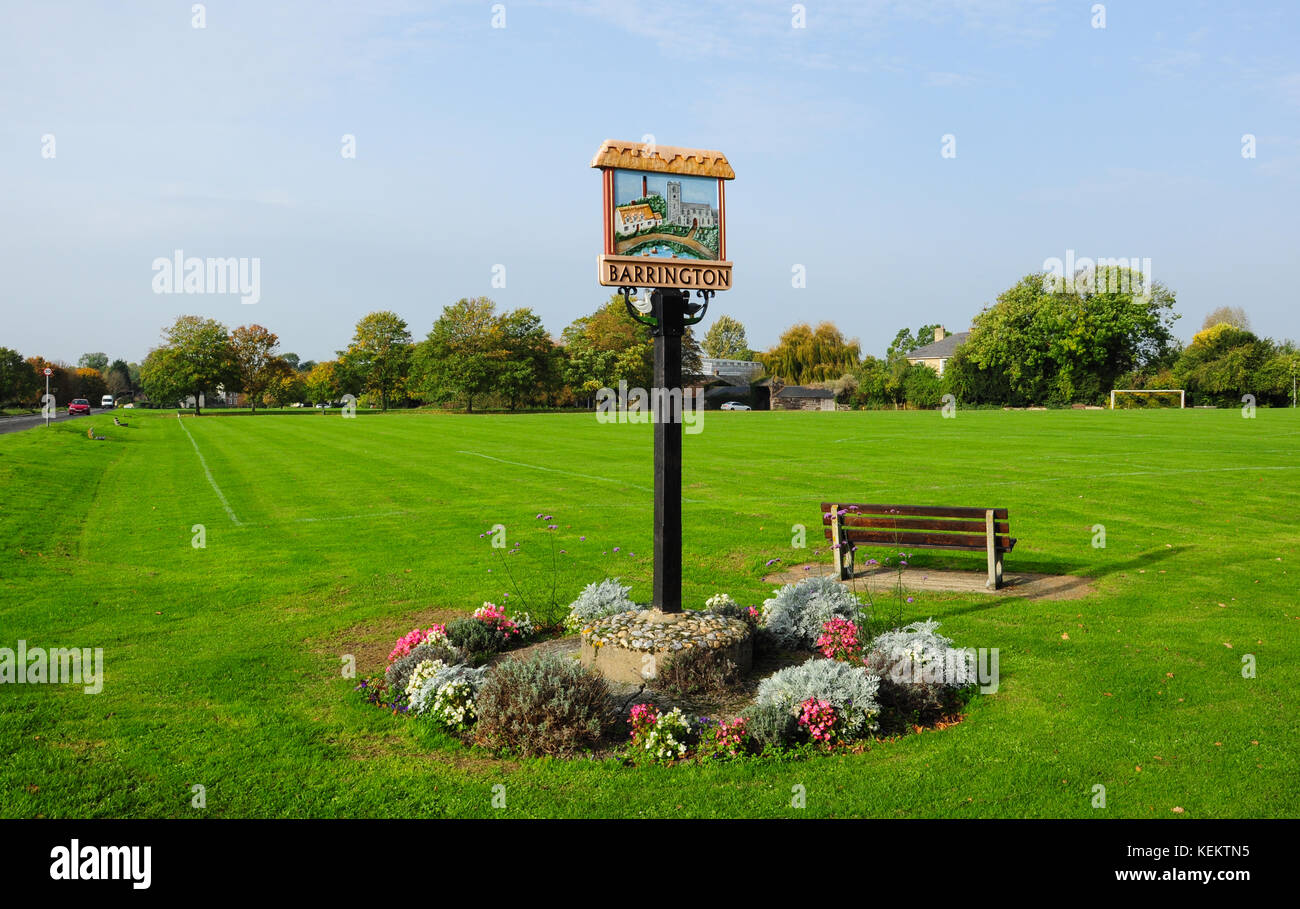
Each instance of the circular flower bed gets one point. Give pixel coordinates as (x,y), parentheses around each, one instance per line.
(858,688)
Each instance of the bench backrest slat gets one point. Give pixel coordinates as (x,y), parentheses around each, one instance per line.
(916,511)
(957,525)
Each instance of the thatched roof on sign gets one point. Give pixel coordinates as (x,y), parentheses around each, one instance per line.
(664,159)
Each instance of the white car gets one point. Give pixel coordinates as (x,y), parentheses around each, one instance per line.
(736,405)
(106,401)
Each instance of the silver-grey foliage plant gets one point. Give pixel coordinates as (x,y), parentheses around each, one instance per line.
(917,654)
(851,690)
(597,600)
(796,614)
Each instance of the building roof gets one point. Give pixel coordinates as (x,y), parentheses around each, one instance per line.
(800,391)
(631,212)
(940,350)
(665,159)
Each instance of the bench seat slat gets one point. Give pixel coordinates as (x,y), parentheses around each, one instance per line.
(921,511)
(967,541)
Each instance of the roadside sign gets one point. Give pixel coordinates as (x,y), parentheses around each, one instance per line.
(48,371)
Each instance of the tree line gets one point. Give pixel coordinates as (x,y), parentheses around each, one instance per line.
(1045,343)
(1040,343)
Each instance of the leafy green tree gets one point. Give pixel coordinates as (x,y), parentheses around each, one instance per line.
(726,339)
(1052,345)
(528,365)
(607,347)
(118,379)
(322,383)
(871,375)
(1222,364)
(89,384)
(283,384)
(255,350)
(62,381)
(96,361)
(19,381)
(922,386)
(461,357)
(905,342)
(196,358)
(380,355)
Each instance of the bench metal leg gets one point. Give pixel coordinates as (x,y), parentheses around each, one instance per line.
(994,553)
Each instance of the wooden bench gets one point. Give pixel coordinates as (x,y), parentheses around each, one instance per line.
(918,527)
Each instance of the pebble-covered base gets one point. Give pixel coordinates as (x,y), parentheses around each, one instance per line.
(620,646)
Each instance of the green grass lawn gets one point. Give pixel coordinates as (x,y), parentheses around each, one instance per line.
(222,664)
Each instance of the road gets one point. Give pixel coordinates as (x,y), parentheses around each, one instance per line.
(18,424)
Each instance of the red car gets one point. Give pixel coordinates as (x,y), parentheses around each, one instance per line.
(78,405)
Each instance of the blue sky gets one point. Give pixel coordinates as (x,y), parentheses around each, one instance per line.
(472,146)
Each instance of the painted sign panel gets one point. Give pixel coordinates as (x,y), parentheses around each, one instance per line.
(665,216)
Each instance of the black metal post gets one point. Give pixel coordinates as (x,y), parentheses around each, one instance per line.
(669,307)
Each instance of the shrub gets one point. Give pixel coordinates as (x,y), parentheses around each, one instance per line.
(399,673)
(549,705)
(770,725)
(851,690)
(471,636)
(596,601)
(697,671)
(796,614)
(922,676)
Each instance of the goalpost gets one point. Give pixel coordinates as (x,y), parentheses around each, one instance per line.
(1182,394)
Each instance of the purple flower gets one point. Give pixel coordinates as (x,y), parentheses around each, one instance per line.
(616,549)
(909,599)
(564,552)
(548,517)
(539,515)
(551,526)
(582,539)
(771,561)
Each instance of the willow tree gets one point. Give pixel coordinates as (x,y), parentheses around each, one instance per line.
(804,354)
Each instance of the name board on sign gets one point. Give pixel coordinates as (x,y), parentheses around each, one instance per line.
(665,216)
